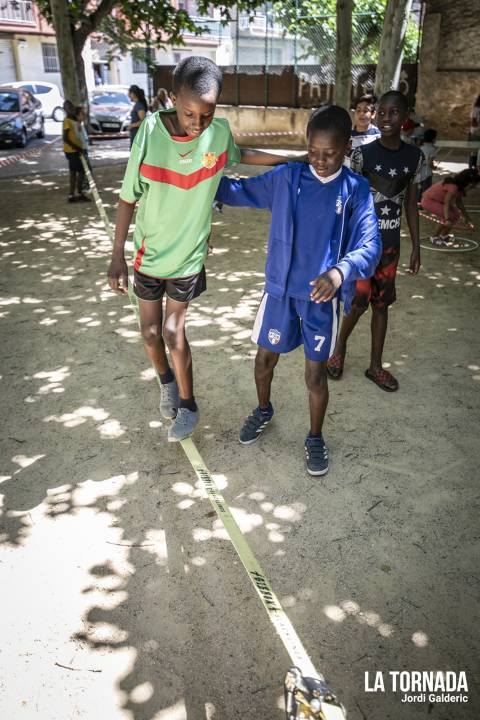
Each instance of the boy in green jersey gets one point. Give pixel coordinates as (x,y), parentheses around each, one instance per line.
(174,169)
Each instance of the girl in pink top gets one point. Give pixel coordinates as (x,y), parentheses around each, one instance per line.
(445,201)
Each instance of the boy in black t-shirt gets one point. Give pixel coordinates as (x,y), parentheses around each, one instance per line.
(394,170)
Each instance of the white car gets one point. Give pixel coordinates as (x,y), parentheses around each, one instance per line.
(47,93)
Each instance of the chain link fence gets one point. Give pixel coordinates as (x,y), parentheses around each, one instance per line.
(284,55)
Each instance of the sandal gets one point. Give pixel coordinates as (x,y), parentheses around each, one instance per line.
(383,379)
(335,365)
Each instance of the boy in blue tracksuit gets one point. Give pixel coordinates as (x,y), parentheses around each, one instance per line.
(323,237)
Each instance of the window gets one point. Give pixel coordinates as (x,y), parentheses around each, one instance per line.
(9,102)
(139,57)
(110,98)
(42,89)
(50,58)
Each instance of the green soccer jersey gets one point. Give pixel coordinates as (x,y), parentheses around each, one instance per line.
(175,181)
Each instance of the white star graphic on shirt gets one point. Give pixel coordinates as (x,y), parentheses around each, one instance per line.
(405,169)
(378,167)
(385,210)
(392,172)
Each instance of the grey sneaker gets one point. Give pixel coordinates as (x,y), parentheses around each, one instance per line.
(169,399)
(254,425)
(316,455)
(184,425)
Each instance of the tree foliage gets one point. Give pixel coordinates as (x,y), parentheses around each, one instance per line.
(314,22)
(126,23)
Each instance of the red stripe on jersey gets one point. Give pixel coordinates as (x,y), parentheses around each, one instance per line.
(185,182)
(182,138)
(139,257)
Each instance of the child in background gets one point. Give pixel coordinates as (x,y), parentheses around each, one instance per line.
(174,169)
(81,117)
(394,170)
(323,236)
(364,131)
(429,150)
(445,201)
(73,146)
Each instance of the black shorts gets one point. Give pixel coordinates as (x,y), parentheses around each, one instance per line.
(74,162)
(182,289)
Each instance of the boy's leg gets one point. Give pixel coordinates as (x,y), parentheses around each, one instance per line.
(276,331)
(359,306)
(255,424)
(315,450)
(151,330)
(174,334)
(73,180)
(379,332)
(176,340)
(383,295)
(265,363)
(317,385)
(319,326)
(80,181)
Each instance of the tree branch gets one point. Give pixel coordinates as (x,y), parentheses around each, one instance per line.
(91,22)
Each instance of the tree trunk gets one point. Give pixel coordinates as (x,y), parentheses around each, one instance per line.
(66,56)
(391,45)
(78,45)
(343,64)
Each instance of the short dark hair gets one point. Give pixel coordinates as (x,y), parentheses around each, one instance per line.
(369,99)
(198,74)
(331,118)
(396,95)
(429,135)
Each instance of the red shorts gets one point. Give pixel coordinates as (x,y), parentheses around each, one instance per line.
(379,290)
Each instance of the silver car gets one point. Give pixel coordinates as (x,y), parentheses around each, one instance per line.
(110,109)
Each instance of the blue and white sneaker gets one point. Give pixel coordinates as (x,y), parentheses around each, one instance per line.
(184,425)
(316,455)
(169,399)
(254,425)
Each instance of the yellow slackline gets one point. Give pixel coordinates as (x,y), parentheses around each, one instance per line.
(270,601)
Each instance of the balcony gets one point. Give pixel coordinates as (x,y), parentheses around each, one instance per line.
(260,25)
(214,28)
(17,12)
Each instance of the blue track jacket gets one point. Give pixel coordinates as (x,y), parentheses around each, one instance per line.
(355,246)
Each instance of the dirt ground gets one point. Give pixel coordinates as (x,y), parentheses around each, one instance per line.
(121,597)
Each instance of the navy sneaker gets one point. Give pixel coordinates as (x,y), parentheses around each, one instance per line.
(316,455)
(254,425)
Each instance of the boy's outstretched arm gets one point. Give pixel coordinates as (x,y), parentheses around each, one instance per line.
(254,192)
(118,270)
(411,211)
(250,156)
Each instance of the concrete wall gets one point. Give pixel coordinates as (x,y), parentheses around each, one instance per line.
(271,127)
(449,69)
(30,59)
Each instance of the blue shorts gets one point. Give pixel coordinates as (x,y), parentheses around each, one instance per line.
(283,325)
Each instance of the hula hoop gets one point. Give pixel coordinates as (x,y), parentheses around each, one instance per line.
(457,244)
(437,221)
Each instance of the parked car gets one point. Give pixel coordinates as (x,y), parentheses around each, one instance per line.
(21,117)
(110,109)
(47,94)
